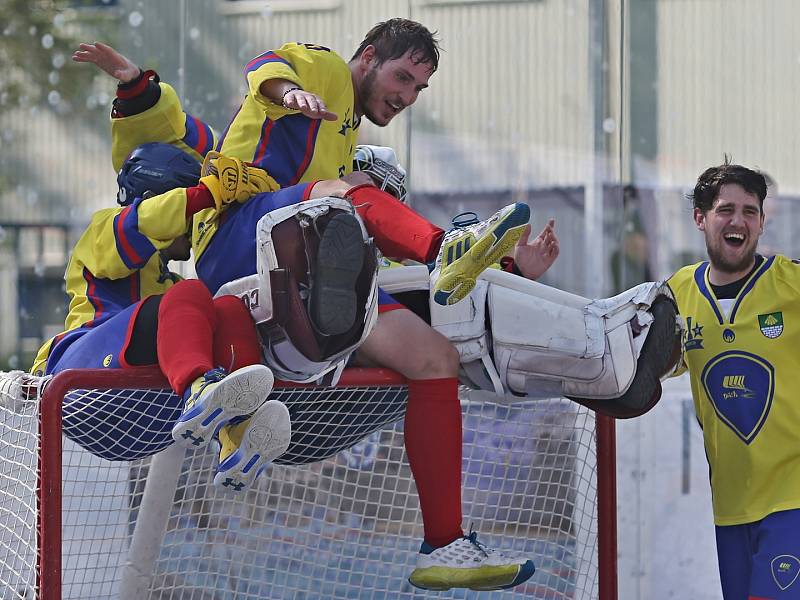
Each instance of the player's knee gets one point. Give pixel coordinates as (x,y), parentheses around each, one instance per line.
(439,360)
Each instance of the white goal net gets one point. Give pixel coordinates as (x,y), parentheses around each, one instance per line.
(336,517)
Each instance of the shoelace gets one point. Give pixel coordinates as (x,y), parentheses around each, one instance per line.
(465,219)
(472,538)
(215,375)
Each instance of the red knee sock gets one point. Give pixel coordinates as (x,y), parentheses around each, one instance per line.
(186,322)
(433,446)
(399,232)
(236,342)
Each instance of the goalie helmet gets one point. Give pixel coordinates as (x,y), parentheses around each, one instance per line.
(380,163)
(155,168)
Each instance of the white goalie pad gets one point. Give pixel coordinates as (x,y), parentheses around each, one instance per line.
(516,336)
(549,342)
(280,353)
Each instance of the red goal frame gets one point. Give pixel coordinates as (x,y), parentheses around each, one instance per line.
(49,492)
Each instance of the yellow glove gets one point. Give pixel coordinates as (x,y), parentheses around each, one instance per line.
(230,180)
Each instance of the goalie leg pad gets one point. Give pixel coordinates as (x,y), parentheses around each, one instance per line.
(542,335)
(545,342)
(660,352)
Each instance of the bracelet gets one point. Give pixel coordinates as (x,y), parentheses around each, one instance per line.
(283,98)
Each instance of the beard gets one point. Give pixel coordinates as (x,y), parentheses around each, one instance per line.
(366,95)
(724,262)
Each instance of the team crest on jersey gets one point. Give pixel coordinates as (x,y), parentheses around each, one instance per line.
(771,324)
(740,386)
(785,569)
(694,335)
(107,360)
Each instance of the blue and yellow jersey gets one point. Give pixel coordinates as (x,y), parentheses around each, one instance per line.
(743,360)
(163,122)
(288,145)
(116,262)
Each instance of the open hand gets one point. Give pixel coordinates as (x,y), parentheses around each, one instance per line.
(309,104)
(534,258)
(107,59)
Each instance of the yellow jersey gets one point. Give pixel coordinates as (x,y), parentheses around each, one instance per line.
(117,261)
(291,147)
(743,362)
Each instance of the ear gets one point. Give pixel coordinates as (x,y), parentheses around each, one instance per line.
(367,55)
(700,219)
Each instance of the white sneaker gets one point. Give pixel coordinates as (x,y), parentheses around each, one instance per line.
(214,399)
(466,563)
(467,251)
(247,448)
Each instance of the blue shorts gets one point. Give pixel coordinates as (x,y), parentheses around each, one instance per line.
(761,560)
(112,424)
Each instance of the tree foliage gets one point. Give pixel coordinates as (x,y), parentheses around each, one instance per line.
(37,38)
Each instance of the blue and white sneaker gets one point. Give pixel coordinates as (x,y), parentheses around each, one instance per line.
(246,448)
(468,250)
(214,399)
(467,563)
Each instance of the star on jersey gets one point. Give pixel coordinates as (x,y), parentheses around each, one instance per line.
(694,335)
(347,123)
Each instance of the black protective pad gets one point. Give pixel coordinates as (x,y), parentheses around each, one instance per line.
(142,348)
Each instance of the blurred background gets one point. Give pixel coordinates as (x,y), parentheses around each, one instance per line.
(599,113)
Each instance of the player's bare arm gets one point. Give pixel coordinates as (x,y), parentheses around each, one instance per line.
(107,59)
(289,95)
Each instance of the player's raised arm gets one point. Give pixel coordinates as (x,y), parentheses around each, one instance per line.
(105,58)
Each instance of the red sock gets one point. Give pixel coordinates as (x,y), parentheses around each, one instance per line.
(236,342)
(433,446)
(186,323)
(399,232)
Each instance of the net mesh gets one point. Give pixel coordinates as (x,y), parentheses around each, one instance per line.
(337,517)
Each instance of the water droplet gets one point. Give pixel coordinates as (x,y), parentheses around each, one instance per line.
(39,269)
(47,41)
(194,33)
(58,20)
(58,60)
(53,77)
(53,98)
(13,361)
(135,19)
(609,125)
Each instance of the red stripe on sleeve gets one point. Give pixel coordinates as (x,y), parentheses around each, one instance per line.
(310,139)
(202,136)
(123,240)
(261,150)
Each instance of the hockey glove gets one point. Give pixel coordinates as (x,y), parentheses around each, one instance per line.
(230,180)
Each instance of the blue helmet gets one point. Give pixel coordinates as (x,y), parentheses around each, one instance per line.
(155,168)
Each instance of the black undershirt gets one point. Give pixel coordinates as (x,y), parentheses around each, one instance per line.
(729,291)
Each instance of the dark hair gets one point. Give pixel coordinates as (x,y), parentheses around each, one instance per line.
(393,38)
(706,191)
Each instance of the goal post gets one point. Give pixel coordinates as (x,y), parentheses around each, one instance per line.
(336,516)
